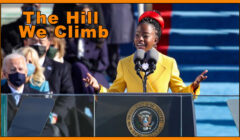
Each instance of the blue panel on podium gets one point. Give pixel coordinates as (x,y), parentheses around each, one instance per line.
(31,117)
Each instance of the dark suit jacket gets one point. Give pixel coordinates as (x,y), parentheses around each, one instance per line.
(12,107)
(119,20)
(10,36)
(59,77)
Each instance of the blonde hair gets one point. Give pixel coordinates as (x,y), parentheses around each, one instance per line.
(38,77)
(59,42)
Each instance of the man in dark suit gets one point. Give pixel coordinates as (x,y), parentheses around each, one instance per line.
(15,71)
(60,81)
(10,33)
(119,19)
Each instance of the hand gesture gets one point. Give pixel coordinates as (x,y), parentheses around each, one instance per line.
(199,79)
(90,80)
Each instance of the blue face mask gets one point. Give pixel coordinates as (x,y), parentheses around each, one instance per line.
(31,69)
(17,79)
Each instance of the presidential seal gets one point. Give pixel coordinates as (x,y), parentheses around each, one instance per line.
(145,119)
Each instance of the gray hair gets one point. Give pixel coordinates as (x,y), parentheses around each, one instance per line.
(11,56)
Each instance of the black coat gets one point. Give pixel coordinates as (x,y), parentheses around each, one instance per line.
(119,20)
(10,36)
(59,76)
(12,107)
(60,82)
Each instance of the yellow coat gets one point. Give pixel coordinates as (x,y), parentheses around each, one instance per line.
(166,75)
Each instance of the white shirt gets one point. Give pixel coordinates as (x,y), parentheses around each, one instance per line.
(41,61)
(16,93)
(81,45)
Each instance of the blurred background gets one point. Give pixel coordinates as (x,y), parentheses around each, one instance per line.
(199,37)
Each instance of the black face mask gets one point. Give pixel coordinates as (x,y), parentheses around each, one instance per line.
(40,49)
(17,79)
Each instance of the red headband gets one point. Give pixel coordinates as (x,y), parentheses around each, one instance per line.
(154,15)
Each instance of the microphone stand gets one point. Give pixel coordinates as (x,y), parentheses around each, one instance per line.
(145,83)
(147,72)
(144,80)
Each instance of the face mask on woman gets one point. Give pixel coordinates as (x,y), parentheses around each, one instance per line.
(52,52)
(31,69)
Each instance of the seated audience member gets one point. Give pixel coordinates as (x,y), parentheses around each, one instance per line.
(60,82)
(35,74)
(15,71)
(57,47)
(2,56)
(11,39)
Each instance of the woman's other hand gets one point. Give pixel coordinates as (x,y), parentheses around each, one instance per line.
(199,79)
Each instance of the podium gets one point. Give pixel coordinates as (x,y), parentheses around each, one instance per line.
(167,115)
(125,115)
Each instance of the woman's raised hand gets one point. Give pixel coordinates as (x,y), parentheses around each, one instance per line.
(90,80)
(199,79)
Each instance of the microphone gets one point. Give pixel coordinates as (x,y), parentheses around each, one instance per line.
(152,59)
(138,60)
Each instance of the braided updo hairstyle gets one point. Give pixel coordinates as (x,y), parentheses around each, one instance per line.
(154,23)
